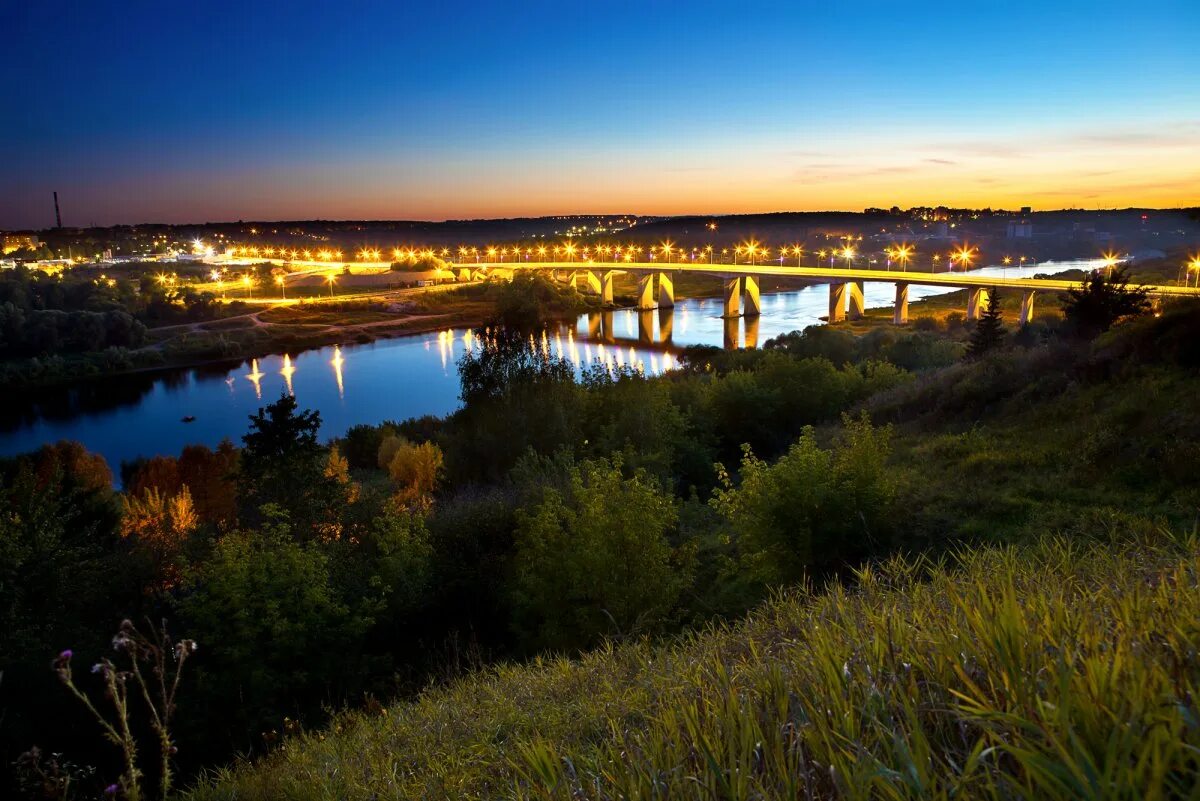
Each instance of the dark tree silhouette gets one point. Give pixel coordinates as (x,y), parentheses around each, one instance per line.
(282,463)
(1102,301)
(989,329)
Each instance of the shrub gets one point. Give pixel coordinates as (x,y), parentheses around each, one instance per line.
(594,559)
(814,509)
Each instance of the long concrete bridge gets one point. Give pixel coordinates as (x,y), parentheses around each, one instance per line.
(741,282)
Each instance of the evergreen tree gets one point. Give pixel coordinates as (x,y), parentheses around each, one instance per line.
(989,329)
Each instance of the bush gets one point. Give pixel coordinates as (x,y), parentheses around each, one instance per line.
(812,510)
(594,559)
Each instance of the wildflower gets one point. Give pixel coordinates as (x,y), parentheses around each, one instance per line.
(62,662)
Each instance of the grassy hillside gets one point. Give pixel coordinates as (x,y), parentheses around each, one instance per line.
(1055,670)
(1055,656)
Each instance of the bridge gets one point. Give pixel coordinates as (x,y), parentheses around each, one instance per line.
(741,282)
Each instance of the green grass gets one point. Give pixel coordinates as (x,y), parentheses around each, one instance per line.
(1059,669)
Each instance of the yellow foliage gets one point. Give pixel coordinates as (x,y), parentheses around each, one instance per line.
(415,468)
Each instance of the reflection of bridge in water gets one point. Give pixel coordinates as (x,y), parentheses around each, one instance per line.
(656,328)
(741,284)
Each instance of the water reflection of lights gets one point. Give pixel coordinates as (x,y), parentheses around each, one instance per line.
(445,340)
(286,371)
(255,377)
(337,362)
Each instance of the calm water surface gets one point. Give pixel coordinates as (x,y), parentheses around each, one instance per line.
(130,416)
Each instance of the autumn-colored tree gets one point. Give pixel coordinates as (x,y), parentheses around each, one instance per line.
(159,525)
(415,468)
(87,470)
(208,475)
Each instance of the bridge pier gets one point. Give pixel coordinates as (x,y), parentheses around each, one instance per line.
(900,311)
(977,298)
(837,302)
(666,291)
(464,273)
(733,297)
(1027,306)
(606,288)
(753,303)
(593,283)
(646,291)
(857,308)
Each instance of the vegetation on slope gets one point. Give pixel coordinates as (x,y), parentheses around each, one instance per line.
(1061,669)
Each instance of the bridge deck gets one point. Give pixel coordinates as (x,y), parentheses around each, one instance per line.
(826,275)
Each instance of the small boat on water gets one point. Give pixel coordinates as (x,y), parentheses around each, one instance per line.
(191,418)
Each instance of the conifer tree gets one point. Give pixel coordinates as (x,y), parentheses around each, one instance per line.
(989,329)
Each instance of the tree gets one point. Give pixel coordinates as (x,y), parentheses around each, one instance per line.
(515,399)
(594,559)
(989,329)
(283,464)
(415,468)
(279,632)
(1103,301)
(159,526)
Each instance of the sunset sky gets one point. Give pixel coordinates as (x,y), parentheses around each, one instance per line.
(173,112)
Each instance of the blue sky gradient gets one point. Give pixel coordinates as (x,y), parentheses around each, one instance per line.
(140,111)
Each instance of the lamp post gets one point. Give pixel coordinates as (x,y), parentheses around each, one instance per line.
(331,278)
(282,286)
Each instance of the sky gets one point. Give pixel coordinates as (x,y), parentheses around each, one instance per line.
(190,112)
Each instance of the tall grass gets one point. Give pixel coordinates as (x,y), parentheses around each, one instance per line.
(1059,669)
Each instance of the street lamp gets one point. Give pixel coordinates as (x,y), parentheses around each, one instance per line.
(965,254)
(903,254)
(331,278)
(848,255)
(282,286)
(1110,261)
(249,285)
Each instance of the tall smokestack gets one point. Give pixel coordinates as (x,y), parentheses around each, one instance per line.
(57,214)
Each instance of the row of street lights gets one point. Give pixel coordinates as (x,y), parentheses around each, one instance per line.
(750,252)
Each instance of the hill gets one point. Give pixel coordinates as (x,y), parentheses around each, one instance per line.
(1039,640)
(1057,670)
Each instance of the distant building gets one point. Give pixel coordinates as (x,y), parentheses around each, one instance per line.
(1020,230)
(13,242)
(1027,209)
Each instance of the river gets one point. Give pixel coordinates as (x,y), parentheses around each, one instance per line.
(129,416)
